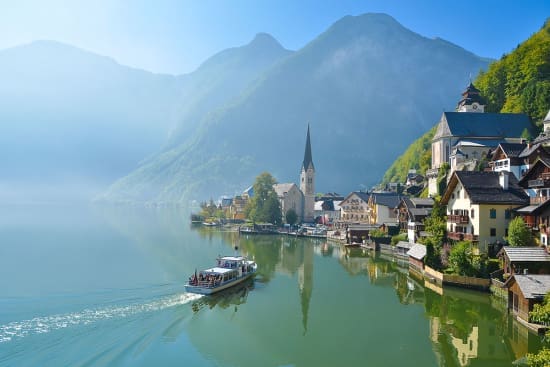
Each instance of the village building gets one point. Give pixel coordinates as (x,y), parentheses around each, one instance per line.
(237,207)
(416,254)
(524,291)
(536,183)
(382,208)
(411,215)
(290,197)
(464,138)
(480,205)
(354,208)
(327,210)
(524,260)
(506,157)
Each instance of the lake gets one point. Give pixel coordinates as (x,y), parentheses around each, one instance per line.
(103,286)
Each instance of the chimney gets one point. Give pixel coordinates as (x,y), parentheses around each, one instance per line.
(503,179)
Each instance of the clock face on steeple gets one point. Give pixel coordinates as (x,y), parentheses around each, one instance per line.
(474,106)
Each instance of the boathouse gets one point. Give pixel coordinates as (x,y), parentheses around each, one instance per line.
(416,257)
(524,291)
(525,260)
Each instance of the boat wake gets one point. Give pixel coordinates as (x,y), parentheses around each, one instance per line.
(45,324)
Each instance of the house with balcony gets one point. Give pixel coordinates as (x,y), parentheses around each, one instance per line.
(411,215)
(537,214)
(354,208)
(480,206)
(506,157)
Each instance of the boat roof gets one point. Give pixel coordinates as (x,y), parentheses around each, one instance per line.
(217,270)
(232,258)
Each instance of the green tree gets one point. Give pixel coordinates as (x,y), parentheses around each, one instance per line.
(518,233)
(541,315)
(291,217)
(436,227)
(460,258)
(264,205)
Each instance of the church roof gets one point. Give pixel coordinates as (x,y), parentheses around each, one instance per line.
(282,188)
(483,125)
(308,160)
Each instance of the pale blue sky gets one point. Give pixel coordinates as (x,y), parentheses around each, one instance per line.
(174,36)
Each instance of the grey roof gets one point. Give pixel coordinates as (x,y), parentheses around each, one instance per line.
(533,286)
(389,199)
(418,251)
(283,188)
(404,244)
(419,202)
(526,254)
(512,150)
(420,212)
(533,209)
(362,195)
(490,125)
(528,150)
(484,188)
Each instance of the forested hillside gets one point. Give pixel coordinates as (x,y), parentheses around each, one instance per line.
(518,82)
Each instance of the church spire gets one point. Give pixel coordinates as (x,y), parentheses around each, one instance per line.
(308,160)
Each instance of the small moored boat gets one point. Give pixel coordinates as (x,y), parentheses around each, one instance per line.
(230,271)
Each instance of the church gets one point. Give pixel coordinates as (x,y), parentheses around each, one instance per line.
(465,137)
(302,199)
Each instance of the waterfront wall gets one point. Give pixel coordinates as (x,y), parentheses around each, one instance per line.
(457,280)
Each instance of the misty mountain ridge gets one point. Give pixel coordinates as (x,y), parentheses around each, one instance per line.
(71,117)
(368,86)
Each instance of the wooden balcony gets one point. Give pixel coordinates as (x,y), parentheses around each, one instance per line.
(536,200)
(462,219)
(459,236)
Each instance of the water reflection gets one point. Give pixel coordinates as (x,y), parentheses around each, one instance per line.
(295,280)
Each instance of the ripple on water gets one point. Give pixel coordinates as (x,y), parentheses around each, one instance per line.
(45,324)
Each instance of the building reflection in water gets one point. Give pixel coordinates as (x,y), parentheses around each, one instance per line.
(467,328)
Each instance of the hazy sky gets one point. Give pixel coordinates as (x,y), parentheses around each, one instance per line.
(174,36)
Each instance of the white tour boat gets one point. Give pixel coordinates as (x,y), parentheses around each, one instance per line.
(230,271)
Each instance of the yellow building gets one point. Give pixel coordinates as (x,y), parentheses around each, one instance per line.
(479,206)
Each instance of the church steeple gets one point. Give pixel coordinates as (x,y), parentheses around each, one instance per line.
(471,100)
(308,160)
(307,182)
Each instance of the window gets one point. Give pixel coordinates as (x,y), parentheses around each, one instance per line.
(506,232)
(507,214)
(472,213)
(493,232)
(492,213)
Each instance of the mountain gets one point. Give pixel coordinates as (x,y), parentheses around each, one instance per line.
(368,86)
(74,121)
(222,78)
(71,118)
(519,83)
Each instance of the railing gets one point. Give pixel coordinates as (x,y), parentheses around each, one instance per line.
(463,219)
(535,200)
(535,183)
(459,236)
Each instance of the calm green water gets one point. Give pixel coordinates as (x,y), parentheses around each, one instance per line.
(104,287)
